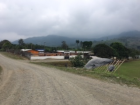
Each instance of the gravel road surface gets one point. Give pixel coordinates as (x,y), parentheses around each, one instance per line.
(22,83)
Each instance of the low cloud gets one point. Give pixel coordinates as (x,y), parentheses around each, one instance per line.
(73,18)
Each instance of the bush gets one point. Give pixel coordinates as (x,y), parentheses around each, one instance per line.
(103,50)
(121,50)
(77,61)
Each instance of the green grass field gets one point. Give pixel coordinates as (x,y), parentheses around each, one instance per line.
(130,69)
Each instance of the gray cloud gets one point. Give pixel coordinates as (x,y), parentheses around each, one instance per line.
(81,18)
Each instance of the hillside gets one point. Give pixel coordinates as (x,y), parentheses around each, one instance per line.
(129,39)
(53,40)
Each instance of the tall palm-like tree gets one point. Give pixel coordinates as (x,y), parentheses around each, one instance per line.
(77,41)
(64,45)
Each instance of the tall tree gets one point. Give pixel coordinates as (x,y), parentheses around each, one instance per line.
(81,44)
(77,41)
(64,45)
(87,44)
(5,44)
(21,42)
(4,41)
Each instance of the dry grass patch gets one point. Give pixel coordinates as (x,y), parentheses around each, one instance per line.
(13,56)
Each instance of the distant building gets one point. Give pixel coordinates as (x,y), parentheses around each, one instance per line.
(41,52)
(33,52)
(25,50)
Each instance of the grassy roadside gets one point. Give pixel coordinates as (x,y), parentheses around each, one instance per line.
(129,72)
(13,56)
(105,76)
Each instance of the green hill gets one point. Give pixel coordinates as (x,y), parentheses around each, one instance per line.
(130,39)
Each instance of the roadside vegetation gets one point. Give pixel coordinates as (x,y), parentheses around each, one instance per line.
(13,56)
(127,74)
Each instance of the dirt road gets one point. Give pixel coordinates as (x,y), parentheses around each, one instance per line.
(22,83)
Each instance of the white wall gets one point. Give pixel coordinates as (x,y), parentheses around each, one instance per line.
(46,57)
(72,56)
(50,57)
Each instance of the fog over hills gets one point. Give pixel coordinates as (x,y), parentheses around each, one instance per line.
(130,39)
(53,40)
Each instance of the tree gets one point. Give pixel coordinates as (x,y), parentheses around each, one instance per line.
(104,51)
(21,42)
(53,50)
(77,61)
(122,51)
(77,41)
(133,52)
(4,41)
(5,44)
(64,45)
(87,44)
(81,44)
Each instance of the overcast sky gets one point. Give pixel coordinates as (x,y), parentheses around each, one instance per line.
(73,18)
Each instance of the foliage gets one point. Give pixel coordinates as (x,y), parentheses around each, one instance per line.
(4,41)
(104,51)
(133,52)
(77,41)
(5,44)
(53,50)
(87,44)
(64,45)
(47,49)
(77,61)
(81,44)
(21,42)
(122,51)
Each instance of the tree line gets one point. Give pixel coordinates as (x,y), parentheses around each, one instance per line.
(115,49)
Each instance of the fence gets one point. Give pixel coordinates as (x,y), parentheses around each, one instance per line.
(112,67)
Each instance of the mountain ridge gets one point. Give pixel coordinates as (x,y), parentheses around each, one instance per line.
(127,38)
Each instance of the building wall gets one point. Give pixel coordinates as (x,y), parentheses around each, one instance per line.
(46,57)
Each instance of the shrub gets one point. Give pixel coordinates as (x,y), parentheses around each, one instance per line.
(77,61)
(104,51)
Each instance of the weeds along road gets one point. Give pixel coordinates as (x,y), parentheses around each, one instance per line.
(22,83)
